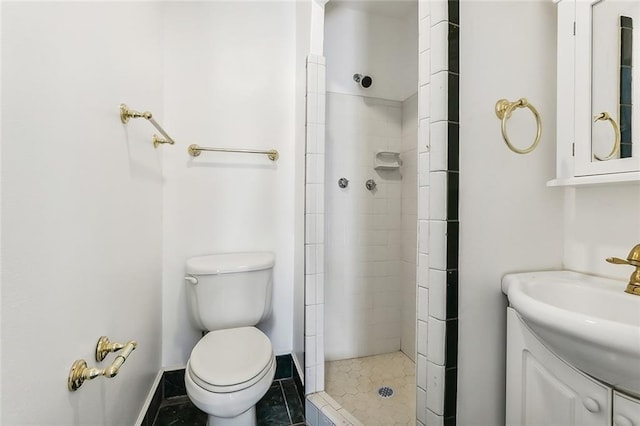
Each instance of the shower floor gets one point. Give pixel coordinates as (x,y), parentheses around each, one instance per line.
(354,384)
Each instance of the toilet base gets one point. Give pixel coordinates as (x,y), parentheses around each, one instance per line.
(248,418)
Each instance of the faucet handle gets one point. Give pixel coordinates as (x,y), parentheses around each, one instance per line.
(617,261)
(634,260)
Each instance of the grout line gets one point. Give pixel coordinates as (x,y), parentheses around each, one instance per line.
(286,405)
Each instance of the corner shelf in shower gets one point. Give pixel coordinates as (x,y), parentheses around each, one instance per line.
(387,160)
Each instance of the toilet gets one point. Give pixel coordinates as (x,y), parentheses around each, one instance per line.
(232,367)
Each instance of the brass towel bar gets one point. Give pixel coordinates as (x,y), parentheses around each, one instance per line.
(195,150)
(81,372)
(126,114)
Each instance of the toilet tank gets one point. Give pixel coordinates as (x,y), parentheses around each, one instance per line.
(229,290)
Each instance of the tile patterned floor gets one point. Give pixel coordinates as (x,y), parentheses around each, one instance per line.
(354,383)
(281,406)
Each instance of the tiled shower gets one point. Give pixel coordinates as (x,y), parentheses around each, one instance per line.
(362,187)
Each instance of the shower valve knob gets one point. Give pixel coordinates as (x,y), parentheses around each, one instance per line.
(370,184)
(343,182)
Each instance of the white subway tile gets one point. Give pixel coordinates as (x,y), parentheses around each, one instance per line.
(435,388)
(424,106)
(421,405)
(310,320)
(423,169)
(309,380)
(424,34)
(312,78)
(421,372)
(312,107)
(439,11)
(310,259)
(438,196)
(423,202)
(437,244)
(423,236)
(436,332)
(310,351)
(437,293)
(439,100)
(321,109)
(439,47)
(423,335)
(423,304)
(320,376)
(319,319)
(433,419)
(311,412)
(424,60)
(423,270)
(322,79)
(310,290)
(424,135)
(439,143)
(424,10)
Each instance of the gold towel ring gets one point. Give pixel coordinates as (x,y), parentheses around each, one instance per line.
(616,134)
(504,109)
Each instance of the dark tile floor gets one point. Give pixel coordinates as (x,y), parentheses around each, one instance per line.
(281,406)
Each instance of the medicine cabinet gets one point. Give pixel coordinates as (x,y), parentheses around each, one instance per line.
(598,91)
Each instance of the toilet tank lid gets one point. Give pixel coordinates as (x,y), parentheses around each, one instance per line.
(227,263)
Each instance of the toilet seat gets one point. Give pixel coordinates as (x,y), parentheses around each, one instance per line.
(246,358)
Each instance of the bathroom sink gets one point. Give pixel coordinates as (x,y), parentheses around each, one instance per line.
(588,321)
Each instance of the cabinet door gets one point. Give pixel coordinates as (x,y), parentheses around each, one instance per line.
(543,390)
(626,410)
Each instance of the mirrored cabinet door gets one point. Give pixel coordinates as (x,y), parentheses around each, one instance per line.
(607,118)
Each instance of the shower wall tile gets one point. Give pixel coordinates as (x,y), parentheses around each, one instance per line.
(424,9)
(314,225)
(439,147)
(424,34)
(436,333)
(425,98)
(439,13)
(442,245)
(424,136)
(439,96)
(437,295)
(422,337)
(421,406)
(435,388)
(437,244)
(438,196)
(439,52)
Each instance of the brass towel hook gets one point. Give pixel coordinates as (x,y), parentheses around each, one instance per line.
(504,109)
(616,135)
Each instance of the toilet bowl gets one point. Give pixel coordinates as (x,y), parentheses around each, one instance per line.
(232,367)
(227,374)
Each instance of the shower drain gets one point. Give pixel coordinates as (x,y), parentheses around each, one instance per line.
(385,392)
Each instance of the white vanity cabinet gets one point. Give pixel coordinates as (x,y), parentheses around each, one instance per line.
(544,390)
(626,411)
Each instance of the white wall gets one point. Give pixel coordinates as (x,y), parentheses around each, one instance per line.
(509,220)
(383,47)
(601,222)
(229,81)
(82,207)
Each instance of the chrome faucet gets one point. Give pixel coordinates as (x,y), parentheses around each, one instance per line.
(634,260)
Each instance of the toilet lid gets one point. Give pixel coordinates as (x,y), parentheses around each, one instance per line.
(247,354)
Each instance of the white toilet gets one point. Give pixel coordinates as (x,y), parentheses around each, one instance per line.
(233,365)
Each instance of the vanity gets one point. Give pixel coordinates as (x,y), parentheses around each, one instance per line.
(573,350)
(598,121)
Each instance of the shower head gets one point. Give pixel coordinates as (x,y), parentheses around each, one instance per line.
(363,81)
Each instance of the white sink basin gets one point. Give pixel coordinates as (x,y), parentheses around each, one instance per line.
(588,321)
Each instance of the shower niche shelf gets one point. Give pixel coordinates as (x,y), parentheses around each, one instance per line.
(387,160)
